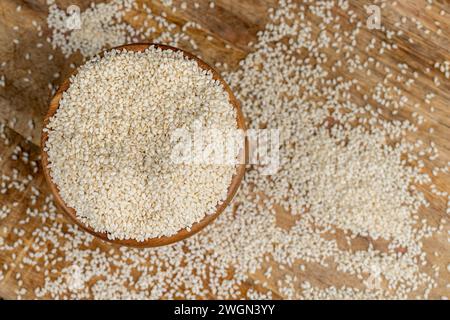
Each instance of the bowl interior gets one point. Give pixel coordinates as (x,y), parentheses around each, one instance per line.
(183,233)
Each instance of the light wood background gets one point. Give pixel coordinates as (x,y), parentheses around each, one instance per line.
(232,22)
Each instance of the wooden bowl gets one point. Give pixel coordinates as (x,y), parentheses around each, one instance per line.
(183,233)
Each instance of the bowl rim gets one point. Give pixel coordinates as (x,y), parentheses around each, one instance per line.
(183,233)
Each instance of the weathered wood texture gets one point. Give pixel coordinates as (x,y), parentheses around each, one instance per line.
(232,22)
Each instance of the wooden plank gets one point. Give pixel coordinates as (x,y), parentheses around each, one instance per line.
(234,23)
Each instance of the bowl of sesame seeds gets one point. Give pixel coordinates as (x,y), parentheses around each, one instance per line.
(106,145)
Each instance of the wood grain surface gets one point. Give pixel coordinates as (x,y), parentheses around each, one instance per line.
(234,23)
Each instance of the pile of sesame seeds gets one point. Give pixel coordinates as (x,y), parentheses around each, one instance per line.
(320,116)
(110,147)
(97,27)
(104,25)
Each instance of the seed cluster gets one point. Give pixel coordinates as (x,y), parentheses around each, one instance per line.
(353,186)
(103,25)
(110,145)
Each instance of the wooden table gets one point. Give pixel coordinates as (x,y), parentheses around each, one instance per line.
(235,23)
